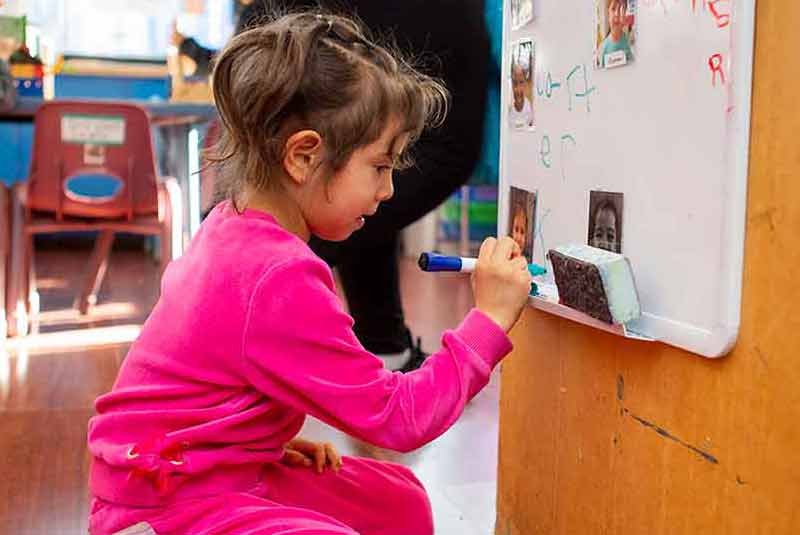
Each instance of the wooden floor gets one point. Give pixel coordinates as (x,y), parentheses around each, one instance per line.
(49,380)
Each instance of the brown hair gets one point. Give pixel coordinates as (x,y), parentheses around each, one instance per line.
(519,208)
(318,71)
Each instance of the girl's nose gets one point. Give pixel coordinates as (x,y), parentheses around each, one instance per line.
(387,190)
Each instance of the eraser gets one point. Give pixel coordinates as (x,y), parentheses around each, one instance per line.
(596,282)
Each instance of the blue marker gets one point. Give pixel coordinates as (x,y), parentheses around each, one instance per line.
(437,262)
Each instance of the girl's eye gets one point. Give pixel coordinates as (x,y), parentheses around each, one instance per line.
(383,168)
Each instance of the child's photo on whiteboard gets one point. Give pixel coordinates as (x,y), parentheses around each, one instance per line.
(521,13)
(523,60)
(615,32)
(605,220)
(522,218)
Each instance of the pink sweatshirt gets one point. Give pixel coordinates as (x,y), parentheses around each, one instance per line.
(247,338)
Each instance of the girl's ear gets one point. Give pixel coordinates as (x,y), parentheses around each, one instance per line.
(302,155)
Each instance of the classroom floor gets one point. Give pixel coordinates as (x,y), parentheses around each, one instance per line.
(49,380)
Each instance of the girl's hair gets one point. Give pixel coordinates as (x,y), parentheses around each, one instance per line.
(517,61)
(312,70)
(519,208)
(606,204)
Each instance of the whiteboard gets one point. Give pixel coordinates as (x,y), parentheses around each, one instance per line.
(669,130)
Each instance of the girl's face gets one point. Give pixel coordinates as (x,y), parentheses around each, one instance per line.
(605,231)
(616,14)
(518,86)
(519,230)
(336,208)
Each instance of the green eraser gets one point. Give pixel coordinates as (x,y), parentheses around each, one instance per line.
(534,289)
(535,270)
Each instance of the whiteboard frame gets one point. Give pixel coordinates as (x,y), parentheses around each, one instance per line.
(721,338)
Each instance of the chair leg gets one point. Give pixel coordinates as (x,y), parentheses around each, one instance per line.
(32,294)
(166,247)
(11,291)
(96,271)
(17,305)
(16,302)
(169,215)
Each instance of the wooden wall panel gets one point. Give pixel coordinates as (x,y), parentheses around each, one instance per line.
(604,435)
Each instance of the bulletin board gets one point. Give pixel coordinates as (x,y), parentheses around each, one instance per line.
(628,121)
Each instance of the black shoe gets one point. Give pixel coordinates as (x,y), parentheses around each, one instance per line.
(417,355)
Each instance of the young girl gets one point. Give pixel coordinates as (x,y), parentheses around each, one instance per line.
(198,435)
(519,226)
(604,232)
(617,41)
(521,85)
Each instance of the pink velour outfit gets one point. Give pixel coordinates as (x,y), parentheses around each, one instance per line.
(247,338)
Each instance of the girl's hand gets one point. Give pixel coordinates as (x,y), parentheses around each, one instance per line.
(501,281)
(301,452)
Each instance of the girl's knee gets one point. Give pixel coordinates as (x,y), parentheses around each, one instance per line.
(420,515)
(412,505)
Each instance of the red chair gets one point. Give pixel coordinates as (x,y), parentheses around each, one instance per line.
(92,169)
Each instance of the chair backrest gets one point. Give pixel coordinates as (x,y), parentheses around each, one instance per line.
(92,159)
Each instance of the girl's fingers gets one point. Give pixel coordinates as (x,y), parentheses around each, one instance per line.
(334,459)
(303,445)
(295,458)
(520,262)
(487,247)
(300,452)
(505,249)
(319,458)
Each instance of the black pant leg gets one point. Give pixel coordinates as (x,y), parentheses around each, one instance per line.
(371,281)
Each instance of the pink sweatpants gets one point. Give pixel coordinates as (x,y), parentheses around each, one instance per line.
(365,497)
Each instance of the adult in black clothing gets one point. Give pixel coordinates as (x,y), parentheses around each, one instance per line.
(452,33)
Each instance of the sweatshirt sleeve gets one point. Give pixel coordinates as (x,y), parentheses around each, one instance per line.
(299,348)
